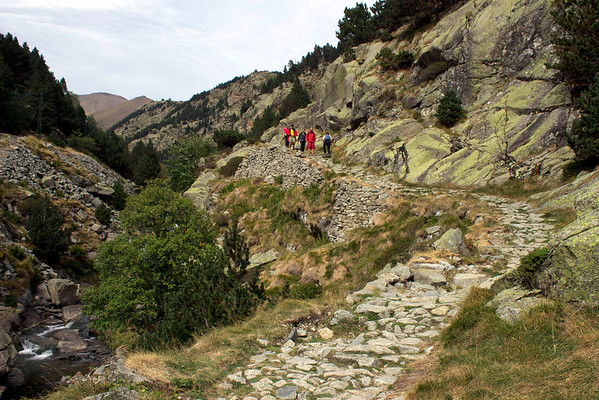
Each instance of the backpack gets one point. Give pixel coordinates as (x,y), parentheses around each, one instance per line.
(327,138)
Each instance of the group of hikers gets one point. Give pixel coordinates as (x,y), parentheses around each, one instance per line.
(292,136)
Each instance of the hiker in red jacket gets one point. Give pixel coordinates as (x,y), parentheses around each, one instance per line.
(311,139)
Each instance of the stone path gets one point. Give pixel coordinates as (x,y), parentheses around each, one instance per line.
(386,325)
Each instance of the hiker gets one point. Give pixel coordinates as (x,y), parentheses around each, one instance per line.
(292,137)
(326,144)
(311,138)
(302,140)
(286,133)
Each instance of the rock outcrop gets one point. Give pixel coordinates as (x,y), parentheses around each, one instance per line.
(493,54)
(571,272)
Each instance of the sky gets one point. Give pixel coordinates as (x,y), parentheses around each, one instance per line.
(168,49)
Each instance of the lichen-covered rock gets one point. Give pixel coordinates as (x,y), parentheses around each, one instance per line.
(452,241)
(63,292)
(571,273)
(513,303)
(199,192)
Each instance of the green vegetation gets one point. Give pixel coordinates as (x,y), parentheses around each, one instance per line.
(296,99)
(392,61)
(356,27)
(576,43)
(359,26)
(309,62)
(227,138)
(578,57)
(583,138)
(268,119)
(44,226)
(119,197)
(450,109)
(165,279)
(548,354)
(102,214)
(26,83)
(182,161)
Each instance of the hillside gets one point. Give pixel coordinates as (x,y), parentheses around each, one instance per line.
(94,102)
(494,55)
(108,109)
(107,117)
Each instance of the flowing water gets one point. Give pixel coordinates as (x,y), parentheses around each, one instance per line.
(43,365)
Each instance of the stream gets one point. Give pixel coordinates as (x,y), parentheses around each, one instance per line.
(50,352)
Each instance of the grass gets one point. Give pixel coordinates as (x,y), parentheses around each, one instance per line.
(515,189)
(561,217)
(552,353)
(217,354)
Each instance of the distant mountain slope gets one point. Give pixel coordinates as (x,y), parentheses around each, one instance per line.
(94,102)
(107,117)
(493,56)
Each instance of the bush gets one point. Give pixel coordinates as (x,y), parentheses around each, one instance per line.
(305,291)
(450,109)
(530,266)
(227,138)
(231,166)
(55,138)
(392,61)
(17,253)
(166,279)
(576,44)
(119,197)
(44,225)
(349,55)
(102,214)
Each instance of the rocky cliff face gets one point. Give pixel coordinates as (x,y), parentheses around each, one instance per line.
(493,53)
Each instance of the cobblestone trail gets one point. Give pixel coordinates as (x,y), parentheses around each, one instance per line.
(386,325)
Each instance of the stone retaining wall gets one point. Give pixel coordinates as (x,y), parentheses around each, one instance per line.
(354,206)
(272,162)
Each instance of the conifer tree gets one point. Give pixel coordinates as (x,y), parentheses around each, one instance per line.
(584,136)
(450,109)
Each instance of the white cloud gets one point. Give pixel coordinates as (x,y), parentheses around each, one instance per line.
(169,48)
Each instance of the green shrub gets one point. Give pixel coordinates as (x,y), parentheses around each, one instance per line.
(231,166)
(166,279)
(44,225)
(119,197)
(84,144)
(385,36)
(392,61)
(102,214)
(10,300)
(450,109)
(17,253)
(55,138)
(530,266)
(349,55)
(227,138)
(305,291)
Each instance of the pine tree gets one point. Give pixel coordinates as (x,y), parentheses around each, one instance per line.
(356,27)
(576,45)
(450,109)
(584,136)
